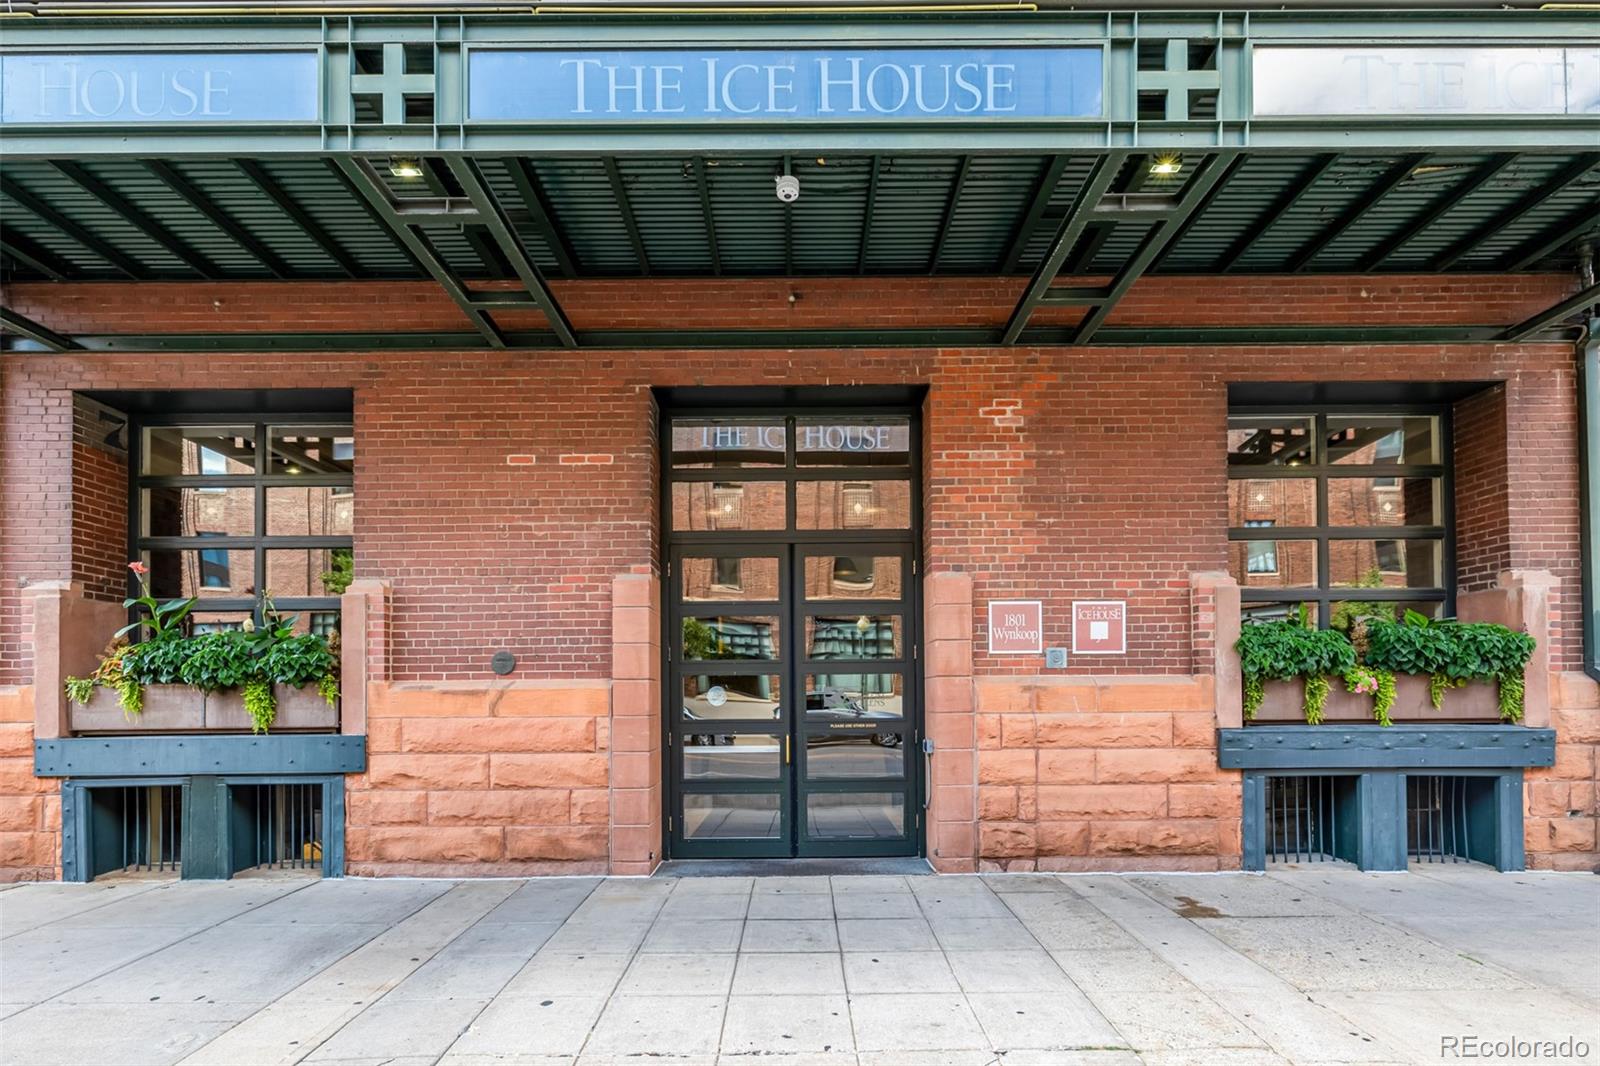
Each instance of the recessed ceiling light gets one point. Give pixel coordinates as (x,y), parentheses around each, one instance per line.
(407,167)
(1166,166)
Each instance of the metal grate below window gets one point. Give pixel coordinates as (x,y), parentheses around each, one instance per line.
(1310,818)
(1439,821)
(138,829)
(277,827)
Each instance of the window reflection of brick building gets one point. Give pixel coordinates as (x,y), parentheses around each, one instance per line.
(186,516)
(1276,520)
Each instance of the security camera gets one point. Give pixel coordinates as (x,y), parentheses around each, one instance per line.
(788,188)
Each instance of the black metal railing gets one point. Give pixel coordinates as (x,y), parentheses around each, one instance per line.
(1438,818)
(1304,816)
(279,826)
(147,821)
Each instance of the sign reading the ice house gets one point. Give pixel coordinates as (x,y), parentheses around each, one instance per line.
(845,85)
(109,88)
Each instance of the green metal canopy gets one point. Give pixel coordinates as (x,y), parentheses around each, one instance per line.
(1068,203)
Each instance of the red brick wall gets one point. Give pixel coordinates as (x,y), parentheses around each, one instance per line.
(501,492)
(1482,494)
(99,506)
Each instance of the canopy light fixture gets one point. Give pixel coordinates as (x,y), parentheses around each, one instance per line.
(1166,166)
(405,166)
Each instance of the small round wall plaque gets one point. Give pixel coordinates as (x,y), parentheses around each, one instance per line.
(503,662)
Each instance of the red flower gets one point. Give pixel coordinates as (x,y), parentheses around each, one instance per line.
(139,568)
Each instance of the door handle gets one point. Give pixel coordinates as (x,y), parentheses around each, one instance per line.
(927,772)
(786,751)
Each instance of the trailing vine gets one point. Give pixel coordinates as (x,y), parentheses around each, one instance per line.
(1439,684)
(1379,684)
(1290,649)
(328,689)
(260,704)
(1255,690)
(80,690)
(1511,696)
(1317,688)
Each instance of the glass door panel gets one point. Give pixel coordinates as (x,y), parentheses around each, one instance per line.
(730,740)
(791,634)
(856,732)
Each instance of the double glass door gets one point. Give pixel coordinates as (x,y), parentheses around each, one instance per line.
(792,692)
(795,731)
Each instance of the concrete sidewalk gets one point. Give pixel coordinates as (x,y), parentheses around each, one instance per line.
(1303,966)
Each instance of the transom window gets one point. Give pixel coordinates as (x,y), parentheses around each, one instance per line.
(1343,510)
(233,510)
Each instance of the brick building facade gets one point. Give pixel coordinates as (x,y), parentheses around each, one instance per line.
(653,473)
(500,500)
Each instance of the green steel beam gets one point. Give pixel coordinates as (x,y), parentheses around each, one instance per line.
(471,181)
(374,194)
(1392,179)
(1529,201)
(1578,301)
(34,256)
(361,200)
(268,187)
(634,340)
(703,186)
(1280,207)
(1447,202)
(1235,165)
(24,326)
(1196,194)
(436,176)
(952,201)
(1119,33)
(866,215)
(186,190)
(1130,179)
(1561,233)
(137,217)
(788,231)
(82,234)
(1049,178)
(531,190)
(1100,178)
(619,192)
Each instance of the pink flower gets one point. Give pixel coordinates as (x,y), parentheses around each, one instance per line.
(139,568)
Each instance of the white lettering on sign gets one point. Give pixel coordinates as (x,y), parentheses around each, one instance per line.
(1016,627)
(68,92)
(844,438)
(1099,627)
(1423,81)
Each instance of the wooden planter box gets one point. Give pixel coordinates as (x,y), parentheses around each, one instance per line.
(181,709)
(167,709)
(299,709)
(1284,701)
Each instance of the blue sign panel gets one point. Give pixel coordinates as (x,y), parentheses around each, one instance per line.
(116,87)
(834,84)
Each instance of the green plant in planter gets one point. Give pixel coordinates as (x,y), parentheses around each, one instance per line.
(216,661)
(161,619)
(1454,654)
(80,690)
(1283,651)
(260,704)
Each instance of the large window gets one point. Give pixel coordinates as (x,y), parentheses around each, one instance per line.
(234,510)
(1343,510)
